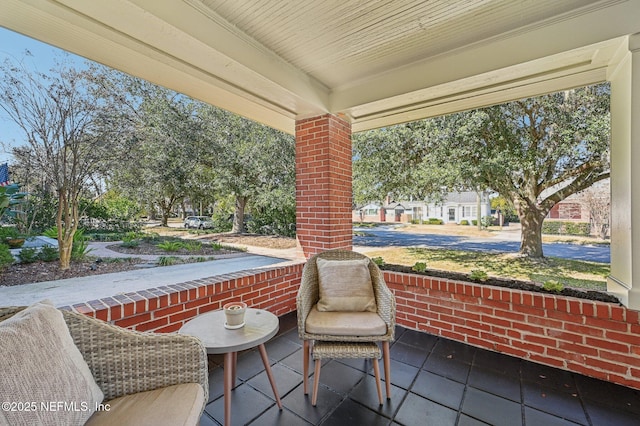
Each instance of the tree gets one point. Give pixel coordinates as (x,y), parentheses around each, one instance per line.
(163,150)
(248,157)
(533,152)
(67,130)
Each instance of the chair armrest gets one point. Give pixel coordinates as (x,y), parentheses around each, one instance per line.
(308,294)
(385,301)
(124,362)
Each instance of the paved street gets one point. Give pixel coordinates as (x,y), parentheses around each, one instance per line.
(388,236)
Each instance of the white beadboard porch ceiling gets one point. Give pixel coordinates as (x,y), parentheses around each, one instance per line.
(376,62)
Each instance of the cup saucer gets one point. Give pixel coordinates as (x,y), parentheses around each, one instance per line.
(233,327)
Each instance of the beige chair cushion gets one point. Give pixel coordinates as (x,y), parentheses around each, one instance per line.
(172,406)
(345,285)
(345,323)
(39,363)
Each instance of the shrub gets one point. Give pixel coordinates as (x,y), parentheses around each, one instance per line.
(464,222)
(170,246)
(130,244)
(48,254)
(193,245)
(80,247)
(378,261)
(419,267)
(566,228)
(479,275)
(28,255)
(8,232)
(435,221)
(6,259)
(168,260)
(553,285)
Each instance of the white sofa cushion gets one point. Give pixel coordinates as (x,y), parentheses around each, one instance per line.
(41,366)
(178,405)
(345,285)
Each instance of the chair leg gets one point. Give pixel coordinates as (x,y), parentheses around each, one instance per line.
(316,382)
(305,366)
(387,367)
(376,370)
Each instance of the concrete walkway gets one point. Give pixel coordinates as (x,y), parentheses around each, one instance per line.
(78,290)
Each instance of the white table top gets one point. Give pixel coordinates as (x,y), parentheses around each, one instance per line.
(260,326)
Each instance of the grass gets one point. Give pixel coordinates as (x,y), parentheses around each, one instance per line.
(570,273)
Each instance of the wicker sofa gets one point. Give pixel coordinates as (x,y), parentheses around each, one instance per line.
(145,378)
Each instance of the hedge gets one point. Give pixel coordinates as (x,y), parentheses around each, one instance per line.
(566,228)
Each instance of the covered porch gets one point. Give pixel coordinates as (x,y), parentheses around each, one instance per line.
(322,70)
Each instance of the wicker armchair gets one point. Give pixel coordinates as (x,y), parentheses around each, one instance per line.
(125,362)
(308,296)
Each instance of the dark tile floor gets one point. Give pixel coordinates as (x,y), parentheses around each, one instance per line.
(435,381)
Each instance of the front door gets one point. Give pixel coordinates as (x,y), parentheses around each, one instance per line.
(452,214)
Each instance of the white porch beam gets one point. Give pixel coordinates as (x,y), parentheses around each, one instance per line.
(624,280)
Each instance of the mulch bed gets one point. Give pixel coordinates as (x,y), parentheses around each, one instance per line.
(501,282)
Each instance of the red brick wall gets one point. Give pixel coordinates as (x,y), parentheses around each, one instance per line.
(596,339)
(323,184)
(166,309)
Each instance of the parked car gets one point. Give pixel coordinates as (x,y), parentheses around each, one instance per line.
(199,222)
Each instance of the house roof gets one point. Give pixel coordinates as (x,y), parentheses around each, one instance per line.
(375,63)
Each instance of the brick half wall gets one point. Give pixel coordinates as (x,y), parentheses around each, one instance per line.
(596,339)
(165,309)
(600,340)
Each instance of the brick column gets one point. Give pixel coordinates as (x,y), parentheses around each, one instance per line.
(323,184)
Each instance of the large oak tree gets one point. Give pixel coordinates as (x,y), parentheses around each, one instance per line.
(534,152)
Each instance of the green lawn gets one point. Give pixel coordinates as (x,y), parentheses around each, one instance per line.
(571,273)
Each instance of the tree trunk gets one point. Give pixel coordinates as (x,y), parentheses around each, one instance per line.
(67,223)
(531,233)
(238,216)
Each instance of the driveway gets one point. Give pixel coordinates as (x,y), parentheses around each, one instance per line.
(502,243)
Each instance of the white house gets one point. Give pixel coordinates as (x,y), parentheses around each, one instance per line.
(456,207)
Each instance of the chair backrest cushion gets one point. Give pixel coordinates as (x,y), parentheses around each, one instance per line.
(345,285)
(43,371)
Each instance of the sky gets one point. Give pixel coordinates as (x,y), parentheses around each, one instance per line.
(13,46)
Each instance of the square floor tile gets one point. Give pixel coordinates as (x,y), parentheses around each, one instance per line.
(294,361)
(609,394)
(561,404)
(494,382)
(350,413)
(502,363)
(366,394)
(285,378)
(533,417)
(470,421)
(605,415)
(402,374)
(408,354)
(246,405)
(416,410)
(340,377)
(491,409)
(276,417)
(438,389)
(451,349)
(549,377)
(249,364)
(418,339)
(300,404)
(451,368)
(280,348)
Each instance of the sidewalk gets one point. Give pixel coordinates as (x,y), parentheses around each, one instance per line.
(78,290)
